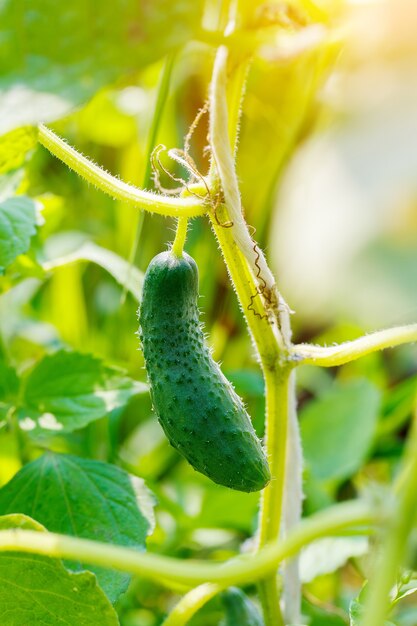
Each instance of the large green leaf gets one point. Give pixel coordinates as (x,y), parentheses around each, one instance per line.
(17,226)
(121,270)
(68,390)
(338,428)
(54,57)
(38,590)
(83,498)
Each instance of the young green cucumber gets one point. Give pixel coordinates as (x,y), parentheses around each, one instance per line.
(201,414)
(239,610)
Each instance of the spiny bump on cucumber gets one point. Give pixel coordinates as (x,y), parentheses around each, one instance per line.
(201,414)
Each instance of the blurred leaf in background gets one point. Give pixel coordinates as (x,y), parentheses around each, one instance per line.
(56,59)
(346,211)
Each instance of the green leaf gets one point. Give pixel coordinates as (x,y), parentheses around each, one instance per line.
(239,610)
(320,617)
(406,586)
(398,406)
(116,266)
(356,611)
(338,428)
(406,590)
(14,147)
(17,227)
(356,608)
(84,498)
(68,390)
(223,508)
(39,590)
(52,59)
(9,382)
(327,555)
(9,387)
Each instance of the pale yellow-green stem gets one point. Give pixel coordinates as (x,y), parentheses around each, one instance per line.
(189,604)
(241,570)
(92,173)
(268,351)
(223,174)
(252,307)
(272,499)
(269,598)
(351,350)
(277,407)
(180,237)
(254,283)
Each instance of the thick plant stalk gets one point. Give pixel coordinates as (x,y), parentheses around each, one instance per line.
(272,499)
(337,520)
(350,350)
(281,501)
(261,331)
(223,156)
(292,507)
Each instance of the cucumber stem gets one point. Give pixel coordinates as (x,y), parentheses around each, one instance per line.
(180,237)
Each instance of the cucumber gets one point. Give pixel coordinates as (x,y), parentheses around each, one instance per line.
(239,610)
(201,414)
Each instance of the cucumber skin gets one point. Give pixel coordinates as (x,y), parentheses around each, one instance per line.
(201,414)
(240,611)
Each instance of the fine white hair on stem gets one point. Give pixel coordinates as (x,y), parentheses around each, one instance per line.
(224,161)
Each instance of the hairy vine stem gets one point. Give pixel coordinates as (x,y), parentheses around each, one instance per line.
(241,570)
(271,335)
(351,350)
(180,236)
(223,157)
(92,173)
